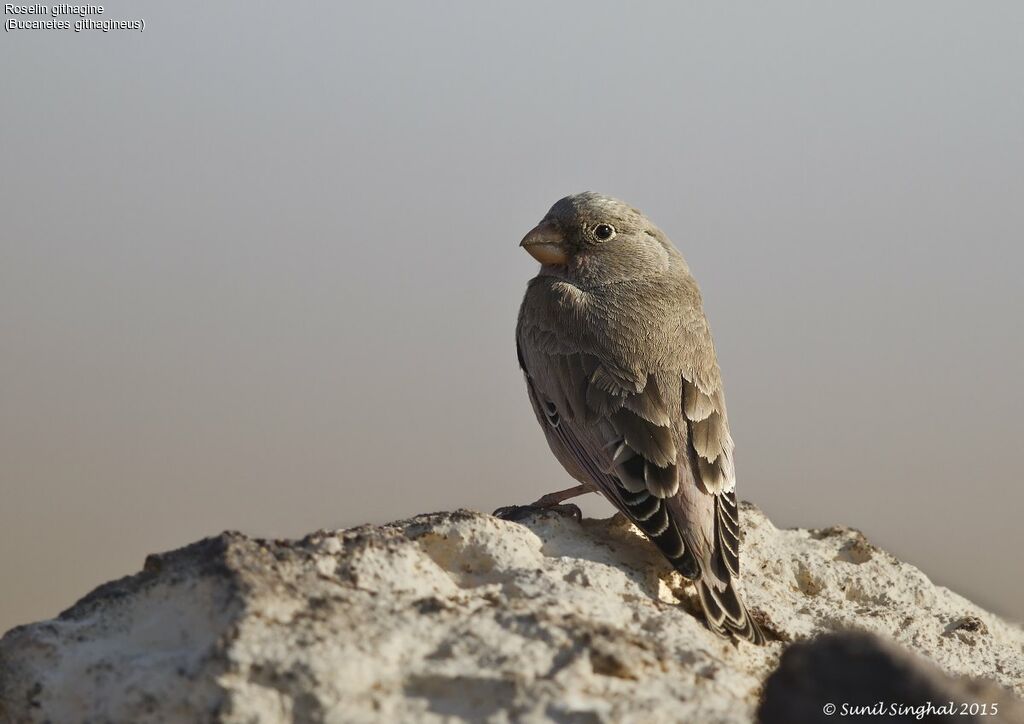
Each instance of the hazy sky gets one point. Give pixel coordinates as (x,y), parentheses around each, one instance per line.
(259,268)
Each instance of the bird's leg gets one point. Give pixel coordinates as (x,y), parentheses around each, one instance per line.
(559,496)
(551,501)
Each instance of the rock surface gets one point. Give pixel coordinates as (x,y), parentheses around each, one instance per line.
(465,617)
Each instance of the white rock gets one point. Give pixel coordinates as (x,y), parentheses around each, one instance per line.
(465,617)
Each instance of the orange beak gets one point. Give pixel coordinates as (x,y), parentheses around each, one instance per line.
(546,244)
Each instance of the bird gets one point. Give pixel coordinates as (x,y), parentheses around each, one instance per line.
(623,377)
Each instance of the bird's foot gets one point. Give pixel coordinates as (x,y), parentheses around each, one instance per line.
(517,513)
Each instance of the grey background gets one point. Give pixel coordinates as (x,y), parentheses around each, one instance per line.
(258,266)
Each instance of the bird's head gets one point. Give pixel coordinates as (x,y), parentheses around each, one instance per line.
(592,239)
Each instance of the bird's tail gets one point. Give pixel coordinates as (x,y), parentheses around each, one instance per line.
(725,613)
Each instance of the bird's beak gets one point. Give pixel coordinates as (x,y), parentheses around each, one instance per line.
(546,244)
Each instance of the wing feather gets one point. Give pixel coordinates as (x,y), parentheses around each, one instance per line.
(612,454)
(656,444)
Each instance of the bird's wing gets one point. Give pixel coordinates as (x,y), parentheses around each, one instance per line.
(658,446)
(711,448)
(693,350)
(623,439)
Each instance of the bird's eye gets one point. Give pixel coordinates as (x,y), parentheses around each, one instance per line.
(603,232)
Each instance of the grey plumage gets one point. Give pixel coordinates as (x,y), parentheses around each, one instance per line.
(622,374)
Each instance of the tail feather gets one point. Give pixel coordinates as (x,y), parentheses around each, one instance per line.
(725,613)
(651,514)
(715,577)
